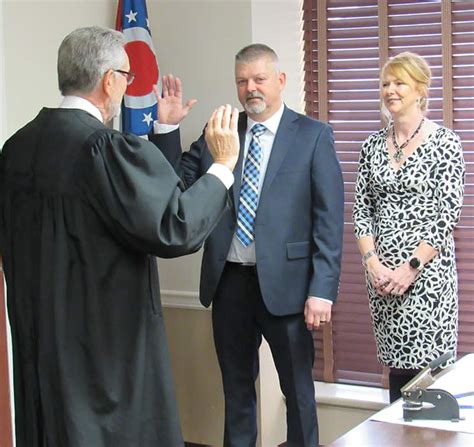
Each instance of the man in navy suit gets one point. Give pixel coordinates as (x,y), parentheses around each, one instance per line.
(271,267)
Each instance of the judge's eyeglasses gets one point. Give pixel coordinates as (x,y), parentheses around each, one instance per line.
(130,75)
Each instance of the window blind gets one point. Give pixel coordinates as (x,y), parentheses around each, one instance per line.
(462,14)
(342,87)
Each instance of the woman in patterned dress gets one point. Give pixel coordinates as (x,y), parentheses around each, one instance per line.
(408,199)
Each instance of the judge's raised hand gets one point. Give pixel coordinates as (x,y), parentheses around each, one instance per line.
(221,136)
(170,104)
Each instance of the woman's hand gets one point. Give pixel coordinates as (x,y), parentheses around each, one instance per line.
(402,278)
(379,275)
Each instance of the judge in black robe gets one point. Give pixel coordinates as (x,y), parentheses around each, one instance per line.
(83,211)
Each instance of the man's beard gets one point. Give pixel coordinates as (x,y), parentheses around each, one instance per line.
(257,106)
(113,109)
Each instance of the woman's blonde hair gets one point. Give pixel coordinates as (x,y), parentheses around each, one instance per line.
(412,67)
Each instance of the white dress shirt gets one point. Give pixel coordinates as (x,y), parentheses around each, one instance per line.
(237,252)
(76,102)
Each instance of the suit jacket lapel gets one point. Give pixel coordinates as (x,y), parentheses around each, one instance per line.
(284,140)
(242,129)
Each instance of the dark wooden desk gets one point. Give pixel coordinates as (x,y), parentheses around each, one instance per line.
(382,434)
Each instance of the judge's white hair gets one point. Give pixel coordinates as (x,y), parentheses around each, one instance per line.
(85,55)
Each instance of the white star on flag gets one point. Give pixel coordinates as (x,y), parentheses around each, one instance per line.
(131,16)
(147,118)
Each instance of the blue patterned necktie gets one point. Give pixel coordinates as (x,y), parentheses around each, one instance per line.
(249,189)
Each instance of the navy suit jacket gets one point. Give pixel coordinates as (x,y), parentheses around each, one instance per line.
(299,222)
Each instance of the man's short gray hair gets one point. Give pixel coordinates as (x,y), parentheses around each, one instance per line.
(85,55)
(256,51)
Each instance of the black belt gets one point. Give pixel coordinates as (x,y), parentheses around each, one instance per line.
(246,267)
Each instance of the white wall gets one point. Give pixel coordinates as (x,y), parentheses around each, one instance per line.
(197,41)
(214,31)
(33,31)
(3,115)
(278,24)
(3,132)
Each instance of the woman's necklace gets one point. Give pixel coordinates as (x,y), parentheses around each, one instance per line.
(397,156)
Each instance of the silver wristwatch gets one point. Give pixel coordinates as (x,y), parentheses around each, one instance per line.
(368,255)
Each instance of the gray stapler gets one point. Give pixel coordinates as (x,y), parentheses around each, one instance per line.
(422,403)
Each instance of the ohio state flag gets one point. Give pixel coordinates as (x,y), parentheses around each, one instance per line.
(139,108)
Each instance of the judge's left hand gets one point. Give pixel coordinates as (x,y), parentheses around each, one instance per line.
(222,137)
(171,109)
(316,312)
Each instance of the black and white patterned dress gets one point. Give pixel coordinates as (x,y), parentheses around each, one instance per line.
(420,202)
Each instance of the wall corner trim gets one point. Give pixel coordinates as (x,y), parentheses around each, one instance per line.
(181,299)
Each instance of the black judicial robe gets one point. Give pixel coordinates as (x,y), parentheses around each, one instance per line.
(83,209)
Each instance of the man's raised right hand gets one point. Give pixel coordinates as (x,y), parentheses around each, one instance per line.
(171,109)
